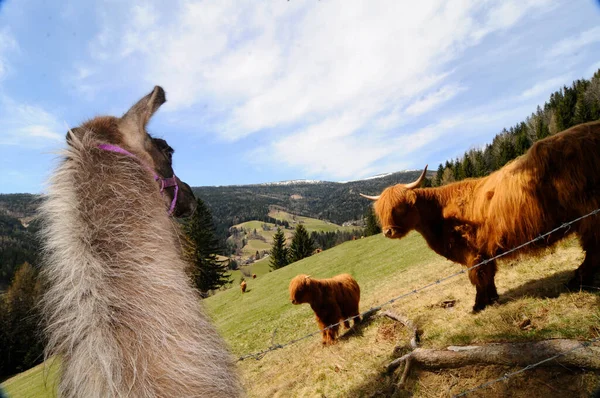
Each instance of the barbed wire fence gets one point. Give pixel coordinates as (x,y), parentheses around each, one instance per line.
(273,347)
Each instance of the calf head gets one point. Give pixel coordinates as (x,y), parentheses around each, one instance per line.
(302,289)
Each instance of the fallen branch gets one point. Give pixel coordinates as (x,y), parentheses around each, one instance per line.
(414,341)
(509,354)
(414,344)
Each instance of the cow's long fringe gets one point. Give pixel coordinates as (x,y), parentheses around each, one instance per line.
(120,311)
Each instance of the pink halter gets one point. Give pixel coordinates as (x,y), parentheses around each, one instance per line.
(164,182)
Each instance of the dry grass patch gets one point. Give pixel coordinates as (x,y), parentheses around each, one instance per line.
(531,288)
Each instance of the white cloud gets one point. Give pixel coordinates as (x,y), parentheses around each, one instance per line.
(7,44)
(28,125)
(545,87)
(575,43)
(428,102)
(338,77)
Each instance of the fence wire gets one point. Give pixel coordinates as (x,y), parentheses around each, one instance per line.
(507,376)
(260,354)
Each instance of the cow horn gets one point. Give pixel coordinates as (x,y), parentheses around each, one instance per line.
(419,180)
(370,197)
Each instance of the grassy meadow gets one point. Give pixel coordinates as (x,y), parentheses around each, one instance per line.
(530,288)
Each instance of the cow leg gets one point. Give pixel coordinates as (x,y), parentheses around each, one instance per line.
(333,331)
(483,279)
(584,275)
(356,313)
(324,333)
(330,333)
(353,312)
(357,319)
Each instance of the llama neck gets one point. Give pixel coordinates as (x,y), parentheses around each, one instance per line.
(121,310)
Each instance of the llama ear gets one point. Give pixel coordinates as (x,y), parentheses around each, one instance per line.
(133,123)
(74,134)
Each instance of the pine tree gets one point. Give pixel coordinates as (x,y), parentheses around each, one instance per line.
(302,245)
(372,227)
(479,164)
(467,168)
(208,273)
(438,176)
(279,252)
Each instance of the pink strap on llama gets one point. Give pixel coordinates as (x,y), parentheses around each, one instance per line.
(164,182)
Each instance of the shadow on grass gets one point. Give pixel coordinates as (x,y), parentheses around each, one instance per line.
(549,287)
(357,329)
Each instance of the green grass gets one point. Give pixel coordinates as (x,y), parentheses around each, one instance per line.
(311,224)
(39,381)
(529,287)
(250,319)
(260,268)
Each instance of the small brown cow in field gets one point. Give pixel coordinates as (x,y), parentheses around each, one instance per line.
(332,300)
(253,276)
(556,181)
(243,286)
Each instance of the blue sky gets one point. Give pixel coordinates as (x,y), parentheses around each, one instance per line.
(277,90)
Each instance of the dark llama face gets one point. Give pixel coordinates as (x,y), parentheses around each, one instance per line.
(129,132)
(162,155)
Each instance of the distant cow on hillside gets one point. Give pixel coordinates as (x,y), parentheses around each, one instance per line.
(556,181)
(332,300)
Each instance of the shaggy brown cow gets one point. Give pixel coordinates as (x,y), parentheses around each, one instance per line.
(243,286)
(470,221)
(253,276)
(332,300)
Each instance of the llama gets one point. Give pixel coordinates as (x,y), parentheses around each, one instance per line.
(120,311)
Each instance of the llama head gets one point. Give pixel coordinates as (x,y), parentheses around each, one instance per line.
(129,132)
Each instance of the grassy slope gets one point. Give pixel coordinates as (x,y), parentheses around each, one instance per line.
(261,267)
(311,224)
(531,287)
(39,381)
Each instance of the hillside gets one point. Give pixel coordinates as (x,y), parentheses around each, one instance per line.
(530,288)
(252,237)
(332,201)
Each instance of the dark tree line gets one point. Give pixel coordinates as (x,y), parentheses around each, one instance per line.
(327,240)
(21,339)
(571,105)
(17,246)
